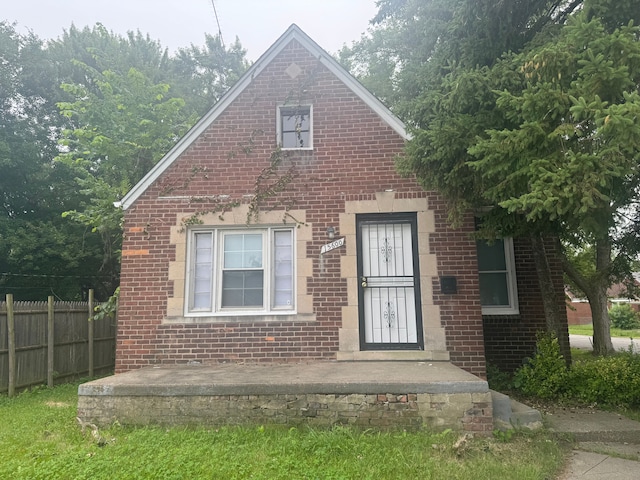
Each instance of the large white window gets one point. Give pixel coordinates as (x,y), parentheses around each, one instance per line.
(241,271)
(295,127)
(498,288)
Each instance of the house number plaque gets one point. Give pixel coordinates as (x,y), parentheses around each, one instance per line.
(332,246)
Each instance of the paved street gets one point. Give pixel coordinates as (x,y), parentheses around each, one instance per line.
(619,343)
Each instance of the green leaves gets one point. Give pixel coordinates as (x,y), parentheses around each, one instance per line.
(106,108)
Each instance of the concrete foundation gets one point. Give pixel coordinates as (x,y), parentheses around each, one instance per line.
(408,395)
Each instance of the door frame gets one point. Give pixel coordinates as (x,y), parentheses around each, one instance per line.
(390,218)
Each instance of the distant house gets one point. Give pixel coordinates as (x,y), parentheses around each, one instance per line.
(278,230)
(579,309)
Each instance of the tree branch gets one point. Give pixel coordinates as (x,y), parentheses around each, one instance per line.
(573,274)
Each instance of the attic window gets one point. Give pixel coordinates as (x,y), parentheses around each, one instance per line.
(295,127)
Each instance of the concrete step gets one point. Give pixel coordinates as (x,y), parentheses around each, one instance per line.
(509,413)
(591,425)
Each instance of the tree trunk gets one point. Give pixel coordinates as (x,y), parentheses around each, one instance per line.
(595,288)
(551,302)
(599,309)
(601,323)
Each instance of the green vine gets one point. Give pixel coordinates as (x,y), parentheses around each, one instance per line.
(269,184)
(246,147)
(223,205)
(170,188)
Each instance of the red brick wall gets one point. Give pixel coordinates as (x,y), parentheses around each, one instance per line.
(511,338)
(461,313)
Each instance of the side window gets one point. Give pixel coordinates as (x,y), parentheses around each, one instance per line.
(241,271)
(295,127)
(496,269)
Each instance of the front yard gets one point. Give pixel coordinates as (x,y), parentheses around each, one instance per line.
(40,439)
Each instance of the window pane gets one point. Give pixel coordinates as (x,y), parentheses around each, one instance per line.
(252,259)
(253,242)
(493,289)
(233,280)
(231,298)
(243,250)
(491,257)
(295,139)
(283,269)
(293,122)
(252,298)
(242,288)
(289,140)
(233,259)
(202,271)
(253,279)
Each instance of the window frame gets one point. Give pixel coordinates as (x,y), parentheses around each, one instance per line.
(512,285)
(214,307)
(279,126)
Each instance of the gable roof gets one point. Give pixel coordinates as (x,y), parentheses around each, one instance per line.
(292,33)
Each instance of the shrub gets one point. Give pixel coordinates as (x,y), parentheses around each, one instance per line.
(545,375)
(607,381)
(498,380)
(624,317)
(610,381)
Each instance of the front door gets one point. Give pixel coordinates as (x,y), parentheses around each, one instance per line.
(389,282)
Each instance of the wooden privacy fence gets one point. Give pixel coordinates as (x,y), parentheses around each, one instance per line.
(50,342)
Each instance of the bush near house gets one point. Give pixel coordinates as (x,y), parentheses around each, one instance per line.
(544,376)
(612,381)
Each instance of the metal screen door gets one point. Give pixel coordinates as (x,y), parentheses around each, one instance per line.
(389,289)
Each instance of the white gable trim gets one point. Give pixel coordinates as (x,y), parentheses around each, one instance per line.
(293,32)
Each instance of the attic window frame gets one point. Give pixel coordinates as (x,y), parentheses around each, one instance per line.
(293,110)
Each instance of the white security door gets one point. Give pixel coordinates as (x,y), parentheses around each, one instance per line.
(389,293)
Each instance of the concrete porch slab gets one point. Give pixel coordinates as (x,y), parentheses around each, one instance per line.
(318,377)
(368,393)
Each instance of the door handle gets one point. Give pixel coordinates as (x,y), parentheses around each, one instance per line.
(364,281)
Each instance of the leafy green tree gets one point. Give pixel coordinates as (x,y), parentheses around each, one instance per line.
(82,119)
(125,124)
(40,253)
(414,44)
(203,74)
(127,105)
(572,153)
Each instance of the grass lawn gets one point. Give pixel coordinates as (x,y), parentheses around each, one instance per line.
(615,332)
(39,439)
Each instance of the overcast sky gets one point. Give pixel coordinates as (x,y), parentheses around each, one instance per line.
(178,23)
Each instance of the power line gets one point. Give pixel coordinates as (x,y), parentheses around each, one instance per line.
(33,275)
(215,12)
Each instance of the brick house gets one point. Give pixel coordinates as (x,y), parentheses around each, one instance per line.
(579,309)
(278,230)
